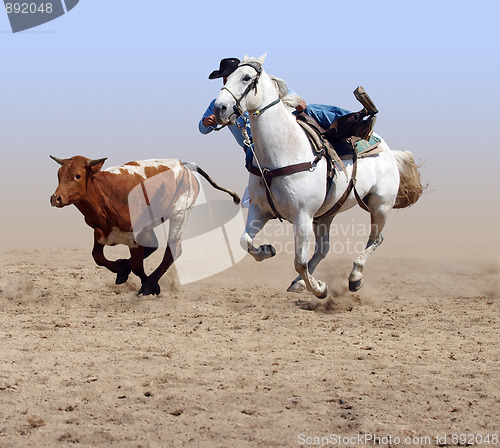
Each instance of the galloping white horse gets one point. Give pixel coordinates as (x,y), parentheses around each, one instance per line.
(386,180)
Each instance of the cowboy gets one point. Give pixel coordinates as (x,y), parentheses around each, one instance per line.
(340,123)
(208,122)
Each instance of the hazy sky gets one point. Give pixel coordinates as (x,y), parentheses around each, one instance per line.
(129,81)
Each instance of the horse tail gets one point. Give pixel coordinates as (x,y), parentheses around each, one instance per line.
(197,169)
(410,188)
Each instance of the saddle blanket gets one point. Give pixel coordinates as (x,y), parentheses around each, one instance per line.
(363,146)
(343,148)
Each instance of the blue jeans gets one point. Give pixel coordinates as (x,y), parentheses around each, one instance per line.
(325,115)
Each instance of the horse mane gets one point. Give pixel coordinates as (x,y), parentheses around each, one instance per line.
(290,99)
(280,85)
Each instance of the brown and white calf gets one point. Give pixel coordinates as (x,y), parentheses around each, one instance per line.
(104,199)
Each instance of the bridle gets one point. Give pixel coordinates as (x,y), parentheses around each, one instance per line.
(237,110)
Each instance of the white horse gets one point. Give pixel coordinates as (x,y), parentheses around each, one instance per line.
(389,179)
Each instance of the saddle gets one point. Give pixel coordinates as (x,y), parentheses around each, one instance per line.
(340,141)
(335,151)
(340,148)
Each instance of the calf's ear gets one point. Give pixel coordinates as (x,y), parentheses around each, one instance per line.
(96,165)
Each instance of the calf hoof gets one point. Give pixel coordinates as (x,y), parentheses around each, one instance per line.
(148,289)
(355,285)
(124,271)
(121,278)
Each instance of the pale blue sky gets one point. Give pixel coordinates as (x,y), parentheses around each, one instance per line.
(129,80)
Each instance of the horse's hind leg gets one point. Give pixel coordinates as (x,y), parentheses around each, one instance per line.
(256,220)
(379,210)
(303,230)
(321,249)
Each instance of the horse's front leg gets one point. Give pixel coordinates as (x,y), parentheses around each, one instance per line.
(256,220)
(322,237)
(120,267)
(303,231)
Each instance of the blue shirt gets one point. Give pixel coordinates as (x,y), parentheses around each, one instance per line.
(325,115)
(235,130)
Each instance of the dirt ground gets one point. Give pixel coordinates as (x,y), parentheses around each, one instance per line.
(236,361)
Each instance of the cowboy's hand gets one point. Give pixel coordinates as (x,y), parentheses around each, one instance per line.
(301,106)
(210,121)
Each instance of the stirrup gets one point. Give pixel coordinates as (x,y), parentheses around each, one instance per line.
(364,128)
(371,125)
(365,100)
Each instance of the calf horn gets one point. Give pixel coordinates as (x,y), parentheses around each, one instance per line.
(97,161)
(59,161)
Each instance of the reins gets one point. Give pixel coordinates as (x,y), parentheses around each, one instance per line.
(266,174)
(259,171)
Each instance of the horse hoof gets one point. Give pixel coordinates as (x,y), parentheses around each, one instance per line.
(269,250)
(297,286)
(355,285)
(324,293)
(265,251)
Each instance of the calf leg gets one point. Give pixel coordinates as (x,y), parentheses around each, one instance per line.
(137,255)
(120,267)
(172,252)
(150,284)
(148,251)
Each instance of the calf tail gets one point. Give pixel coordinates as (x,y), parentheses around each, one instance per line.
(197,169)
(410,188)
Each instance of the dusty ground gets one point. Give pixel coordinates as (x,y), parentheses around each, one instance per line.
(235,361)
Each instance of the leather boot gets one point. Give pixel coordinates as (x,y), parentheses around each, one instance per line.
(365,100)
(344,127)
(364,128)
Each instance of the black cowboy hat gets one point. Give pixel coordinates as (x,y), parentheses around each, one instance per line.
(227,66)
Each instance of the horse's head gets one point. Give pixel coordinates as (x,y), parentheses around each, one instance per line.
(242,91)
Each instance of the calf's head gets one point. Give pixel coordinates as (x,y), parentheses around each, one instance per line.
(73,176)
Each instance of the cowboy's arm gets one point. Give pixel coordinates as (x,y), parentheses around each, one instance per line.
(301,104)
(207,123)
